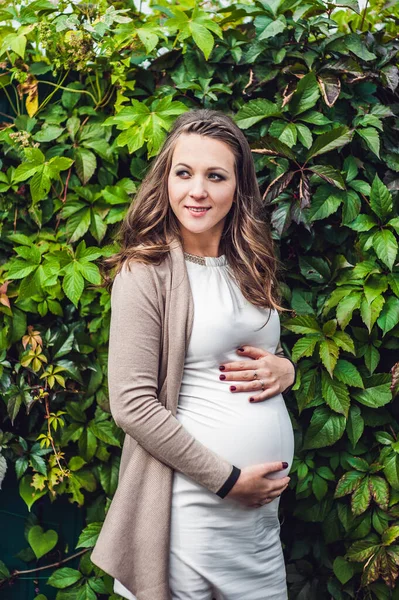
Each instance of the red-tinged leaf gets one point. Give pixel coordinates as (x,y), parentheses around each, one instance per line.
(361,497)
(330,86)
(362,550)
(348,483)
(379,489)
(277,186)
(304,191)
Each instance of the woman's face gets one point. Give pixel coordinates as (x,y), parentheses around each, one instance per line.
(201,176)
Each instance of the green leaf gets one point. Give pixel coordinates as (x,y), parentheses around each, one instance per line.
(48,133)
(63,578)
(272,29)
(372,139)
(303,324)
(362,550)
(272,147)
(348,483)
(105,431)
(394,223)
(343,570)
(380,491)
(380,199)
(254,111)
(344,341)
(386,247)
(305,96)
(370,312)
(328,174)
(355,44)
(391,469)
(73,284)
(41,541)
(346,307)
(336,138)
(203,38)
(351,207)
(314,268)
(335,393)
(361,497)
(346,372)
(89,535)
(319,487)
(355,425)
(325,429)
(362,223)
(4,572)
(304,135)
(324,203)
(374,397)
(28,493)
(389,316)
(304,347)
(86,163)
(329,352)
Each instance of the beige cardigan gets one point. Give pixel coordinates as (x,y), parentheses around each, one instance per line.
(152,313)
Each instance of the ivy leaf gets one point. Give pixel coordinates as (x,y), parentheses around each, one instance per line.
(325,202)
(254,111)
(372,139)
(328,174)
(304,135)
(354,44)
(346,307)
(380,491)
(86,163)
(272,147)
(330,86)
(89,535)
(305,96)
(336,138)
(329,353)
(325,429)
(304,347)
(391,469)
(303,324)
(42,541)
(362,223)
(335,393)
(361,497)
(370,312)
(73,283)
(346,372)
(374,397)
(389,316)
(63,578)
(354,425)
(348,483)
(380,199)
(386,247)
(273,29)
(362,550)
(343,570)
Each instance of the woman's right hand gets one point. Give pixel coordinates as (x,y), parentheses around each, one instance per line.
(253,487)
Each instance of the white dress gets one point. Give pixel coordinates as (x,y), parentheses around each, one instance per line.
(220,548)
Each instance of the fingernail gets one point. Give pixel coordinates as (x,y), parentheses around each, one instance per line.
(233,388)
(252,399)
(222,377)
(221,368)
(241,349)
(285,465)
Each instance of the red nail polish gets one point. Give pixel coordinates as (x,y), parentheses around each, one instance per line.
(221,368)
(222,377)
(233,388)
(252,399)
(241,349)
(285,465)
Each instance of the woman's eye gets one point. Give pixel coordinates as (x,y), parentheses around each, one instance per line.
(220,178)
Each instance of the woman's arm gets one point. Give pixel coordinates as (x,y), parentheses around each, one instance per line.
(133,364)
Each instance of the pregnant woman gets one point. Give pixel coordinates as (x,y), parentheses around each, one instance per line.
(209,440)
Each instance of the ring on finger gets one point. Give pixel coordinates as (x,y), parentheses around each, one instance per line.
(255,375)
(262,384)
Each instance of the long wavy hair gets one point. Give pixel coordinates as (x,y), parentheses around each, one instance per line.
(150,224)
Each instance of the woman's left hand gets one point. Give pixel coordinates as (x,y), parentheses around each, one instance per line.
(276,372)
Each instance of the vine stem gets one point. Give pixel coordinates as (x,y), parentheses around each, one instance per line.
(364,15)
(56,564)
(51,437)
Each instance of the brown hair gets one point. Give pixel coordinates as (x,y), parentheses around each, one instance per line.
(150,224)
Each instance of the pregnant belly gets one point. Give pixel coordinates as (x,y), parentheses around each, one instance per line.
(243,433)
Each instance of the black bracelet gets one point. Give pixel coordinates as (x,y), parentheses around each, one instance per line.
(229,483)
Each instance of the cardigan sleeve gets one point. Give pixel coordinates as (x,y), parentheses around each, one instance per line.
(135,345)
(280,352)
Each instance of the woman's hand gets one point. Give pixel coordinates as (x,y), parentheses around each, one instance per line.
(276,372)
(253,487)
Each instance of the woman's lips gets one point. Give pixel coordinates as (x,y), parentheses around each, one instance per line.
(197,213)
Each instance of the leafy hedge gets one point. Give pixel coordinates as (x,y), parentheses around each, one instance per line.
(88,94)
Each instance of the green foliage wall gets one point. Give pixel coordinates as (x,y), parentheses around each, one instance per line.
(88,92)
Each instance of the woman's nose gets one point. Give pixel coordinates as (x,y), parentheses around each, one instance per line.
(198,189)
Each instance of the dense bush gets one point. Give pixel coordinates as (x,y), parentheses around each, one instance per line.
(89,91)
